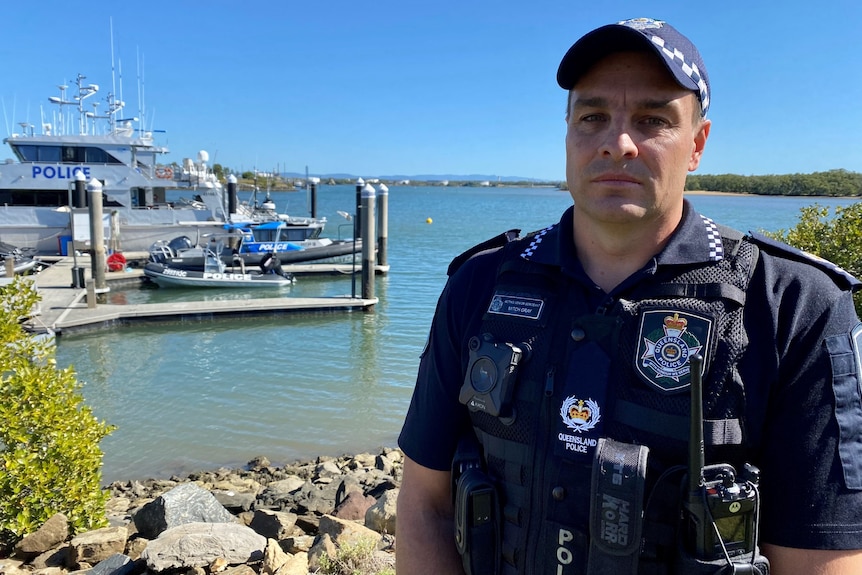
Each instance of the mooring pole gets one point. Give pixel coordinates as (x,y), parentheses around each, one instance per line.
(382,224)
(97,233)
(80,198)
(231,196)
(357,216)
(79,201)
(368,197)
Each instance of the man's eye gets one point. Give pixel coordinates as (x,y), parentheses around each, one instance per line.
(654,121)
(592,118)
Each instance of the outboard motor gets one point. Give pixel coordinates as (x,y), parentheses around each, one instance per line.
(270,263)
(180,243)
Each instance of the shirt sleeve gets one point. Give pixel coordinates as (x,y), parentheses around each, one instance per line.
(811,445)
(435,419)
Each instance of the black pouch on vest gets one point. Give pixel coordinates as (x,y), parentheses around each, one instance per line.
(477,520)
(616,507)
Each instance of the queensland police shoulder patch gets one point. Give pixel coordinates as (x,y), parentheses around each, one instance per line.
(666,340)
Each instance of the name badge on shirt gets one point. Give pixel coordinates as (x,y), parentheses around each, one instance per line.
(516,305)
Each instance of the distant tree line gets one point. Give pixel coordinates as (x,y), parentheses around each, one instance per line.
(831,183)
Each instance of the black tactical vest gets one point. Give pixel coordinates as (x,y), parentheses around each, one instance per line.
(620,372)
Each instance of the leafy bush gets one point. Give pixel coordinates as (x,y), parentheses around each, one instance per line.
(359,558)
(837,239)
(50,460)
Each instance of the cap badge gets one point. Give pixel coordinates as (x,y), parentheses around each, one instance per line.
(642,23)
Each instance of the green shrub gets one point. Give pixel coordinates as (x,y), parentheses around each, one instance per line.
(50,460)
(837,239)
(358,558)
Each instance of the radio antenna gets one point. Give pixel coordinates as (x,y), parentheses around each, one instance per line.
(695,440)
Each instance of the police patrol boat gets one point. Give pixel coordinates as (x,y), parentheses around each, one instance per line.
(293,242)
(296,241)
(212,272)
(37,187)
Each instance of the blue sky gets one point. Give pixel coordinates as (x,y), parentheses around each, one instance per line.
(430,87)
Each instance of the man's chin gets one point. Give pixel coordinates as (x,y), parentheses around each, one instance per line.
(614,213)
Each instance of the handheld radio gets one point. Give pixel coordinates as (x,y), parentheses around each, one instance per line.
(721,508)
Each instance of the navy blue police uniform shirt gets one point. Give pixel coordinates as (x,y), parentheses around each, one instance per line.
(803,406)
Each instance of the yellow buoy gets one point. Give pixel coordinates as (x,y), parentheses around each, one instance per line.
(429,221)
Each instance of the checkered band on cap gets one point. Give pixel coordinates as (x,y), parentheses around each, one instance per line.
(537,239)
(689,69)
(713,236)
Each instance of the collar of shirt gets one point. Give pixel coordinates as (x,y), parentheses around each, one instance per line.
(696,240)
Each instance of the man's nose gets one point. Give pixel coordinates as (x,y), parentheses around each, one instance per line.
(618,143)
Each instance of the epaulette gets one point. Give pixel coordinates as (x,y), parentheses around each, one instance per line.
(841,276)
(495,242)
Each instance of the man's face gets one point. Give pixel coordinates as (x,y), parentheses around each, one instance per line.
(633,135)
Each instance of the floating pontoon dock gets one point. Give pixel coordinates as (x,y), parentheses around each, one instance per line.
(65,308)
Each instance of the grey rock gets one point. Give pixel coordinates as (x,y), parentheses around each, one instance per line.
(186,503)
(323,546)
(235,502)
(53,532)
(94,546)
(114,565)
(258,463)
(13,566)
(354,506)
(197,544)
(347,532)
(273,524)
(381,516)
(297,543)
(295,565)
(273,558)
(327,469)
(56,557)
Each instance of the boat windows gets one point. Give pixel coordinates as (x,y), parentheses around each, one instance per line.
(299,234)
(30,153)
(98,156)
(51,198)
(265,235)
(63,154)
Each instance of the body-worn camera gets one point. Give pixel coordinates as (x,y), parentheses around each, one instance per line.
(491,375)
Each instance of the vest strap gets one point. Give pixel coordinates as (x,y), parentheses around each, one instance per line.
(710,291)
(616,507)
(715,431)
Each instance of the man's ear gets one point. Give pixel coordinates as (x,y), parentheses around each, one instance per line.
(700,137)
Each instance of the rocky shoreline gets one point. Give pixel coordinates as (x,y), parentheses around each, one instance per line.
(298,518)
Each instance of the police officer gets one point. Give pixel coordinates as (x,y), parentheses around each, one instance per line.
(565,359)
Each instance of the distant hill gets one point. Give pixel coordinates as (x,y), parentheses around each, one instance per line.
(420,177)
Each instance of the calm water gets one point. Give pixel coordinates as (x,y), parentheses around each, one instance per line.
(194,395)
